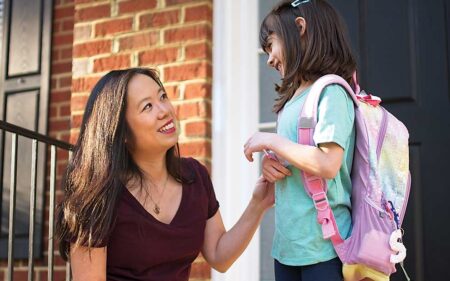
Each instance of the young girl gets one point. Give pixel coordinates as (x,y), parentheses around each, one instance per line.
(306,40)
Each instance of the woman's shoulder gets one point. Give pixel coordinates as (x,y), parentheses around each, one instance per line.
(192,166)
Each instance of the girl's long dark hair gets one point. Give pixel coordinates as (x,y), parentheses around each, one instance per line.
(324,48)
(101,164)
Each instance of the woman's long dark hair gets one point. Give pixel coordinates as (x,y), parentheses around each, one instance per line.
(324,48)
(101,164)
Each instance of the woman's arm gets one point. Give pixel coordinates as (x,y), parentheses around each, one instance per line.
(323,161)
(88,265)
(221,248)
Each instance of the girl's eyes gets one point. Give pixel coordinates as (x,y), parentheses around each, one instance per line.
(164,96)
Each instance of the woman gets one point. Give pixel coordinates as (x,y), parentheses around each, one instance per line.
(133,209)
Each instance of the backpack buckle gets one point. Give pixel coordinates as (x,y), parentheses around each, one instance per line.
(320,201)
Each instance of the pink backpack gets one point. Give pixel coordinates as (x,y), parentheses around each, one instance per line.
(380,178)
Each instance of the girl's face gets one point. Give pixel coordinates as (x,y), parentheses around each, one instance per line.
(275,51)
(150,117)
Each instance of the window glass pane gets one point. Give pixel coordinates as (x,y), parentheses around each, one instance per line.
(267,79)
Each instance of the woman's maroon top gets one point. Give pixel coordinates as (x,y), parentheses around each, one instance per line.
(142,248)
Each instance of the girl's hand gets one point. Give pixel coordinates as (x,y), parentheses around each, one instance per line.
(273,171)
(264,194)
(257,143)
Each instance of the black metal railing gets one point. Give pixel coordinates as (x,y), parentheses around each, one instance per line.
(17,131)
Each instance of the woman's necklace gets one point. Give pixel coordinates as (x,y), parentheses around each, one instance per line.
(156,207)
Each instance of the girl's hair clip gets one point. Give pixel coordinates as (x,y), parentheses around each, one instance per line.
(297,3)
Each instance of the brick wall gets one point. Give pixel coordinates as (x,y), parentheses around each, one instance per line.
(174,36)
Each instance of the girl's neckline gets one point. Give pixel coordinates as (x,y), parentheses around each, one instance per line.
(298,94)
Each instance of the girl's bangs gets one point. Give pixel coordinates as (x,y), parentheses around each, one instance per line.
(268,27)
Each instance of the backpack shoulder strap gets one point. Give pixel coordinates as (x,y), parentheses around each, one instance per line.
(316,187)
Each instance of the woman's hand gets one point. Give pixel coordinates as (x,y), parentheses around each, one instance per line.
(273,171)
(264,194)
(257,143)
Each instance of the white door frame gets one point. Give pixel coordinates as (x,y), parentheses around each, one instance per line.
(235,118)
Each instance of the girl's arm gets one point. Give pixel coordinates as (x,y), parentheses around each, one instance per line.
(323,161)
(221,248)
(88,265)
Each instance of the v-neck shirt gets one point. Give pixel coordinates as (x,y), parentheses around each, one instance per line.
(141,247)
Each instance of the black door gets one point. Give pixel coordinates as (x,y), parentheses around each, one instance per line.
(403,52)
(24,92)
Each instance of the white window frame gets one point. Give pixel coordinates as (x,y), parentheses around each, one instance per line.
(235,118)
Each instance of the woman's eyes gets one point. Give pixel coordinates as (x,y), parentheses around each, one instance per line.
(147,106)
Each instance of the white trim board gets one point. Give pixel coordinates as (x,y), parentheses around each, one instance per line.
(235,118)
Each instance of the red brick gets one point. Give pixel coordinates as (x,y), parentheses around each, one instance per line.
(53,113)
(173,92)
(198,13)
(67,25)
(63,67)
(78,103)
(57,275)
(63,39)
(93,13)
(76,121)
(84,84)
(59,125)
(132,6)
(20,275)
(63,12)
(159,19)
(64,110)
(188,72)
(197,91)
(60,96)
(74,133)
(65,82)
(176,2)
(112,62)
(66,53)
(138,41)
(55,55)
(182,34)
(195,109)
(198,128)
(199,51)
(113,26)
(91,48)
(196,149)
(158,56)
(56,27)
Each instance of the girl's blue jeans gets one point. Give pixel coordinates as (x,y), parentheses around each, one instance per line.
(325,271)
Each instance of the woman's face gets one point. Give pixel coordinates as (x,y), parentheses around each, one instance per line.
(275,51)
(150,117)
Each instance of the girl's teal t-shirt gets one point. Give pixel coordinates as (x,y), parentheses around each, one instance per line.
(298,238)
